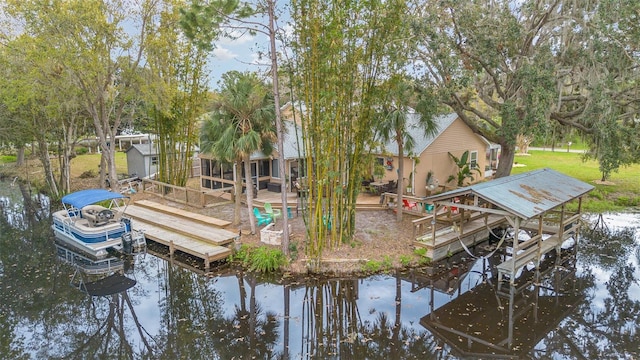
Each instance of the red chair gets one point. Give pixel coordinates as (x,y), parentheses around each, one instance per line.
(408,205)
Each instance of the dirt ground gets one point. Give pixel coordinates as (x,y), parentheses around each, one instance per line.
(378,239)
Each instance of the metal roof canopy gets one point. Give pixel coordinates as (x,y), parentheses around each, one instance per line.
(525,195)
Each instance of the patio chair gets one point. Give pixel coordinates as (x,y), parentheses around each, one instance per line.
(409,205)
(263,219)
(273,213)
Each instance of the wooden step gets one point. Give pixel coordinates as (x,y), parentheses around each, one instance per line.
(189,245)
(183,214)
(193,229)
(528,255)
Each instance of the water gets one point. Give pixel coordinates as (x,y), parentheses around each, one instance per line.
(587,308)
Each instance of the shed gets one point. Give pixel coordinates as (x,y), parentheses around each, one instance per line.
(534,201)
(142,160)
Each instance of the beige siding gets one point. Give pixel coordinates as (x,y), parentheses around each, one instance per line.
(456,139)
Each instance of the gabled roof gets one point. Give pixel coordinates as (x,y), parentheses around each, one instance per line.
(292,140)
(526,195)
(421,142)
(145,149)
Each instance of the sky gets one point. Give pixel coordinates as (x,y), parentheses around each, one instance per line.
(246,52)
(241,54)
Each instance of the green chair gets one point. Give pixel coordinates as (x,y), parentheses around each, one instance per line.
(263,219)
(273,213)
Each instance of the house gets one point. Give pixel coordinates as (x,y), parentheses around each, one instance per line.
(430,154)
(430,158)
(264,169)
(142,159)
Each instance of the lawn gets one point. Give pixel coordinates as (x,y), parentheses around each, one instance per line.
(91,162)
(621,191)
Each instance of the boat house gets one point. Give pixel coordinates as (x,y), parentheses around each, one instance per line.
(534,203)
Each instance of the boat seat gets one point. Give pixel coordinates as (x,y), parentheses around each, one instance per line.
(97,215)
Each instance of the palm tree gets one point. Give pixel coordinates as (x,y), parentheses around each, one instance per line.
(394,124)
(241,124)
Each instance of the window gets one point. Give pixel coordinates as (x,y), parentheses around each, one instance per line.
(154,160)
(473,159)
(263,168)
(274,169)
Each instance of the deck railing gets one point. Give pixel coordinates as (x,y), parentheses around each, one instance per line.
(180,194)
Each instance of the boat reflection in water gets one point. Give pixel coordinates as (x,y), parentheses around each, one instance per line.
(498,320)
(95,277)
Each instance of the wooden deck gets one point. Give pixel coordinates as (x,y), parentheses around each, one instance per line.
(183,214)
(448,240)
(190,233)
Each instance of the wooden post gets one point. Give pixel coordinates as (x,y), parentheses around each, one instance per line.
(171,248)
(206,261)
(514,251)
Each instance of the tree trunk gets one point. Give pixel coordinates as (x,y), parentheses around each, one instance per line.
(400,178)
(507,153)
(276,98)
(20,156)
(249,192)
(237,194)
(43,154)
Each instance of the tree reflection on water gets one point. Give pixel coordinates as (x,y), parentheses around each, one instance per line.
(582,306)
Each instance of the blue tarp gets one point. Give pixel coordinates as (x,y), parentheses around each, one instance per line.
(83,198)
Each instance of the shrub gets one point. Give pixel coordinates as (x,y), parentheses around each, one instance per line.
(81,150)
(405,260)
(89,174)
(625,201)
(420,251)
(387,264)
(293,250)
(8,158)
(241,255)
(264,260)
(371,266)
(597,194)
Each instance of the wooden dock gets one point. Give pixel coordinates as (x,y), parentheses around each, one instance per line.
(448,240)
(194,234)
(532,251)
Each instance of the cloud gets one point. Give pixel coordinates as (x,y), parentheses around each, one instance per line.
(224,54)
(237,38)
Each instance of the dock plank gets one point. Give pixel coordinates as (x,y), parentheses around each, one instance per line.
(184,226)
(186,244)
(183,213)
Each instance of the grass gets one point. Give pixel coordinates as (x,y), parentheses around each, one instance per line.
(91,162)
(621,191)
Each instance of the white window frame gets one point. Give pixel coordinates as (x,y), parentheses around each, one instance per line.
(473,159)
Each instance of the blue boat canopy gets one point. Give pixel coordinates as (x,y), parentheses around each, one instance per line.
(83,198)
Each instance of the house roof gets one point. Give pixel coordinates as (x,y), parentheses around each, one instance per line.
(146,149)
(526,195)
(292,142)
(417,132)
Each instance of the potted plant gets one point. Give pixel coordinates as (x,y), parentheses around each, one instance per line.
(432,182)
(410,186)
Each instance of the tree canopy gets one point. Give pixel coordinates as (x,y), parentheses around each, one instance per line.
(510,68)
